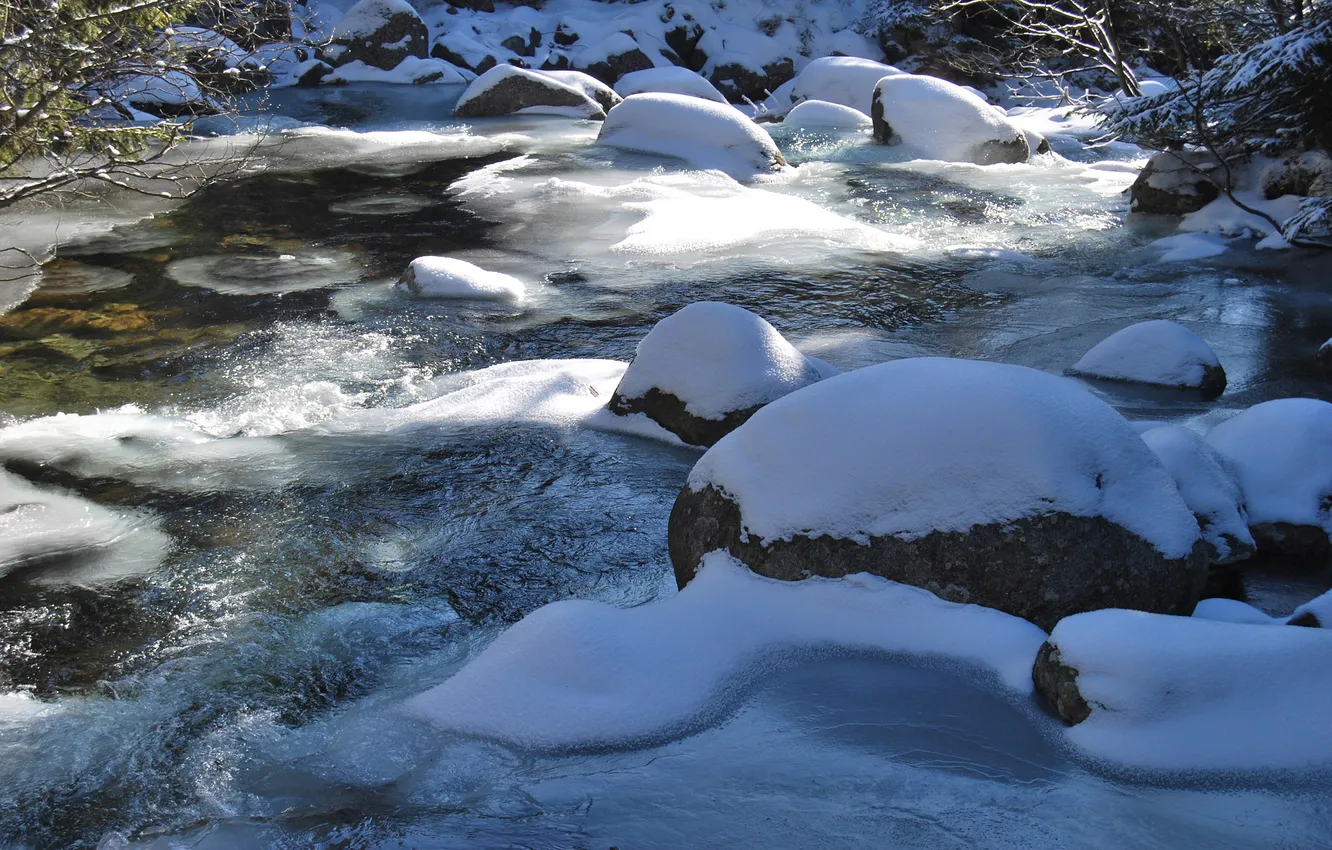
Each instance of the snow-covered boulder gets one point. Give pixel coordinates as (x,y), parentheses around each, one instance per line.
(748,79)
(986,483)
(1187,693)
(702,133)
(589,85)
(1282,453)
(448,277)
(1208,486)
(839,79)
(505,90)
(1176,183)
(380,33)
(611,58)
(1314,614)
(669,81)
(458,48)
(822,115)
(702,372)
(940,120)
(1158,352)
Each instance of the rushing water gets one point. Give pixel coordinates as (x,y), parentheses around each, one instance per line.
(296,529)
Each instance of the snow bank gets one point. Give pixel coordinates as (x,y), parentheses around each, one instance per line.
(1189,693)
(913,446)
(845,80)
(1208,486)
(447,277)
(668,81)
(702,133)
(585,674)
(1282,453)
(822,115)
(939,120)
(1156,352)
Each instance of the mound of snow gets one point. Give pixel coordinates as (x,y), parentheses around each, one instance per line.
(1158,352)
(822,115)
(584,674)
(1208,486)
(668,81)
(505,90)
(447,277)
(702,133)
(845,80)
(1233,611)
(939,120)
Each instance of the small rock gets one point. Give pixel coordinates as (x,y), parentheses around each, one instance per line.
(1058,683)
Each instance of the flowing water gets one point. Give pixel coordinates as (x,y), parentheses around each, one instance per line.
(281,511)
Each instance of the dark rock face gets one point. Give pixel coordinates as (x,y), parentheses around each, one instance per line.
(402,34)
(474,5)
(683,42)
(1041,568)
(1058,684)
(439,51)
(619,64)
(1287,540)
(1307,619)
(313,76)
(669,412)
(1175,183)
(520,92)
(738,82)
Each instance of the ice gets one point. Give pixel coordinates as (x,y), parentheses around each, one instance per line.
(670,81)
(448,277)
(258,274)
(702,133)
(1158,351)
(915,446)
(586,674)
(1185,247)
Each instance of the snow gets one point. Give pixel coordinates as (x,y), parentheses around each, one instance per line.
(171,88)
(579,673)
(845,80)
(502,73)
(1185,247)
(1222,217)
(1320,607)
(1233,611)
(586,83)
(447,277)
(717,358)
(670,81)
(940,120)
(704,134)
(822,115)
(1282,453)
(1153,352)
(366,18)
(407,72)
(1206,482)
(913,446)
(1190,693)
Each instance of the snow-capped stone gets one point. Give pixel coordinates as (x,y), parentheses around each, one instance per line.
(703,371)
(1188,692)
(458,48)
(981,482)
(589,85)
(1233,611)
(448,277)
(611,58)
(505,90)
(1316,613)
(940,120)
(380,33)
(822,115)
(668,81)
(1208,486)
(1176,183)
(702,133)
(1158,352)
(1282,454)
(840,79)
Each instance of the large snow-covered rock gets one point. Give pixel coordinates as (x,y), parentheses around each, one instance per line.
(1208,486)
(1190,693)
(702,372)
(505,90)
(604,95)
(669,81)
(1176,183)
(1282,453)
(822,115)
(940,120)
(449,277)
(611,58)
(702,133)
(380,33)
(981,482)
(839,79)
(1157,352)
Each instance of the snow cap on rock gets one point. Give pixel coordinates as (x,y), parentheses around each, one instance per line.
(669,81)
(822,115)
(505,90)
(845,80)
(448,277)
(939,120)
(702,133)
(1157,352)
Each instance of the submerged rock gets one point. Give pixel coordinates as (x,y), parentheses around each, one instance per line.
(940,120)
(505,90)
(983,483)
(1176,183)
(380,33)
(1158,352)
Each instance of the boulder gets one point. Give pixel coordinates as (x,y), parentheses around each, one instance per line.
(380,33)
(738,82)
(683,42)
(703,133)
(940,120)
(1208,486)
(1157,352)
(981,482)
(839,79)
(589,85)
(457,48)
(1058,684)
(702,372)
(505,90)
(1176,183)
(613,58)
(1308,173)
(1282,454)
(822,115)
(669,81)
(1314,614)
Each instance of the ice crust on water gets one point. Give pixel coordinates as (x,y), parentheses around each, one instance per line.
(671,80)
(717,358)
(822,115)
(1192,693)
(581,674)
(246,274)
(449,277)
(1206,482)
(844,80)
(1282,453)
(700,132)
(914,446)
(940,120)
(1153,352)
